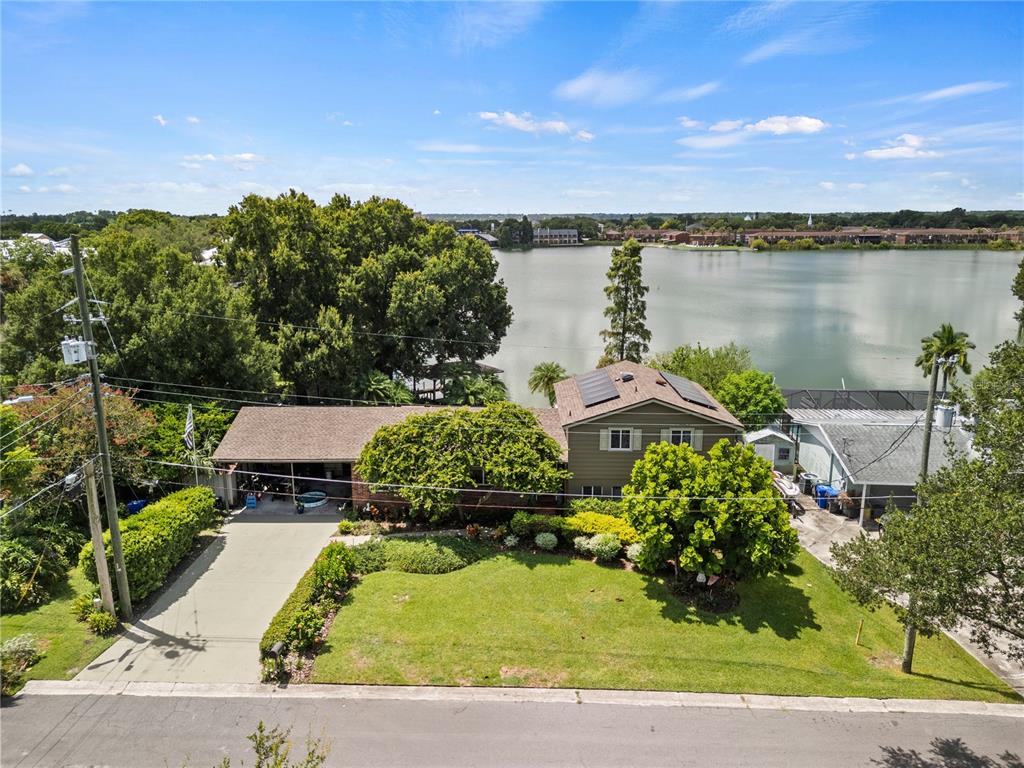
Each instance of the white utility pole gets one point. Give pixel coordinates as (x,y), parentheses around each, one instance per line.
(123,595)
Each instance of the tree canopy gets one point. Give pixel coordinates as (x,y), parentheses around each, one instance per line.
(751,396)
(427,457)
(543,378)
(627,336)
(717,514)
(708,366)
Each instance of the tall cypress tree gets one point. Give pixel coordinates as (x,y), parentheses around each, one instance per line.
(627,337)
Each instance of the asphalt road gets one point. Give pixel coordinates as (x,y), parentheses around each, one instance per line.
(162,731)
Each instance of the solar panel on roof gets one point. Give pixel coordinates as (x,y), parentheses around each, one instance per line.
(596,387)
(687,390)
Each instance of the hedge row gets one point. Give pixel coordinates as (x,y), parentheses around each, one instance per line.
(156,539)
(579,524)
(321,585)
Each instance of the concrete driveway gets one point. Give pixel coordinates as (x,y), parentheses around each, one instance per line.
(207,625)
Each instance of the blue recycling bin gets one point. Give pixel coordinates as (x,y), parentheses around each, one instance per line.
(134,507)
(250,501)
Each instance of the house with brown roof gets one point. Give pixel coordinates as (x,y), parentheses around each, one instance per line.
(612,414)
(602,421)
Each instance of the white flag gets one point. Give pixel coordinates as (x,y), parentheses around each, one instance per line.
(190,431)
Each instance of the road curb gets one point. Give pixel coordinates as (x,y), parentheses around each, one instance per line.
(521,696)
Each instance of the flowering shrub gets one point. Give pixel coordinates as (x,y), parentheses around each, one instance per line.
(546,540)
(605,546)
(634,552)
(511,541)
(17,655)
(581,544)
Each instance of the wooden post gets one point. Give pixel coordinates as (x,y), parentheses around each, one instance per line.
(865,490)
(291,472)
(99,551)
(859,628)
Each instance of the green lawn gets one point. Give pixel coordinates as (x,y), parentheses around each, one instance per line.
(68,644)
(548,620)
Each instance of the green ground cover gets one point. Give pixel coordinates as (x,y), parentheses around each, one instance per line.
(68,645)
(522,619)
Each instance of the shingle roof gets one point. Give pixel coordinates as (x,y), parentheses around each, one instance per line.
(325,433)
(859,445)
(647,384)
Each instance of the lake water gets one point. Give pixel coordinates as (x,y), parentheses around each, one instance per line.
(813,318)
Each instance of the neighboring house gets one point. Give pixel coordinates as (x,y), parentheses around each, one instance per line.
(872,455)
(775,446)
(316,445)
(612,414)
(547,236)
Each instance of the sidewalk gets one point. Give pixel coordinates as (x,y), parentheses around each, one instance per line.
(819,529)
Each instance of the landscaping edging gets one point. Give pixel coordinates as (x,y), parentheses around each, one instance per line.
(525,695)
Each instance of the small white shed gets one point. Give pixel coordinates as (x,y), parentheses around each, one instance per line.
(773,445)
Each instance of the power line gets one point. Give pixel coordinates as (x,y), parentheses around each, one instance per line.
(35,495)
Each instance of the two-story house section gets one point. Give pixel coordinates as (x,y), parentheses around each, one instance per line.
(612,414)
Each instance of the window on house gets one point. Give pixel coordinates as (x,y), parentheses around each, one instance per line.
(620,439)
(591,490)
(616,491)
(783,454)
(680,436)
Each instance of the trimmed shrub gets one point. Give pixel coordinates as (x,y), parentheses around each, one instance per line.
(545,540)
(307,625)
(331,571)
(345,527)
(599,505)
(157,539)
(16,656)
(527,524)
(442,554)
(581,544)
(82,607)
(634,552)
(281,625)
(101,623)
(511,541)
(593,523)
(605,546)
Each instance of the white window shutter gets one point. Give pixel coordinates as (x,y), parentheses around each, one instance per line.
(637,443)
(666,435)
(698,440)
(604,440)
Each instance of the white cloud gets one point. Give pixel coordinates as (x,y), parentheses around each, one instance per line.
(714,140)
(965,89)
(20,170)
(906,146)
(723,126)
(603,88)
(689,94)
(856,185)
(61,188)
(488,25)
(783,124)
(23,189)
(850,155)
(688,122)
(62,170)
(829,185)
(243,161)
(192,120)
(160,120)
(755,16)
(967,183)
(524,122)
(584,135)
(587,194)
(437,112)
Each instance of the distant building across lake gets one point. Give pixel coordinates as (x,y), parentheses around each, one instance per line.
(546,236)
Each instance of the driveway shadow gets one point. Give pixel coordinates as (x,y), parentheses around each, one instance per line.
(946,753)
(771,603)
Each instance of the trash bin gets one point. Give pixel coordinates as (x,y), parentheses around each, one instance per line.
(807,482)
(136,506)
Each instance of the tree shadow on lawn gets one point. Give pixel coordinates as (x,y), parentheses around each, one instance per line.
(769,603)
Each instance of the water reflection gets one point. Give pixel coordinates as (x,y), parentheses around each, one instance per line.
(813,318)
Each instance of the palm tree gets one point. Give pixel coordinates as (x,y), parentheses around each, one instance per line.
(544,377)
(945,342)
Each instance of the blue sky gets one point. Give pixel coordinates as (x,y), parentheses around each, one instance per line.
(515,107)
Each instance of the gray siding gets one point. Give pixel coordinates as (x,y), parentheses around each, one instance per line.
(590,465)
(786,467)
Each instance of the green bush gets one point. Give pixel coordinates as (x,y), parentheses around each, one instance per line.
(82,607)
(281,625)
(30,567)
(157,539)
(307,625)
(345,527)
(593,523)
(442,554)
(528,524)
(605,546)
(101,623)
(545,540)
(16,656)
(596,504)
(331,571)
